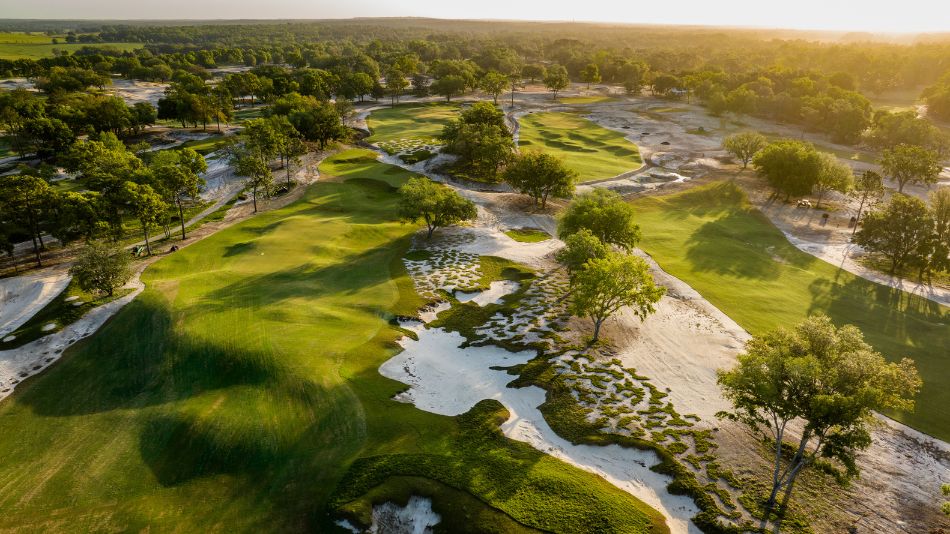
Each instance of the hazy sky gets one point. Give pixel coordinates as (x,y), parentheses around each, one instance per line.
(867,15)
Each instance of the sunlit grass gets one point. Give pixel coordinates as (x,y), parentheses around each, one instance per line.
(713,239)
(594,152)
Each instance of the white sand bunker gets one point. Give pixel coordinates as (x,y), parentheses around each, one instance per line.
(449,380)
(493,295)
(416,517)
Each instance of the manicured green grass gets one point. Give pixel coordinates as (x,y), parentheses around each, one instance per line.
(714,240)
(594,152)
(24,38)
(409,122)
(242,386)
(592,99)
(205,146)
(42,50)
(528,235)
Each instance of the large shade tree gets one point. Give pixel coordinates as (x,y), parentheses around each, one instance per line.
(825,383)
(603,286)
(605,214)
(437,205)
(540,175)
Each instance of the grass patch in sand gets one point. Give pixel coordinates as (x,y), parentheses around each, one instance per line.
(528,235)
(712,238)
(242,386)
(594,152)
(205,146)
(39,50)
(591,99)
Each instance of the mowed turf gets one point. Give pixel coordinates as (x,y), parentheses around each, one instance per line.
(240,388)
(409,121)
(713,239)
(596,153)
(39,50)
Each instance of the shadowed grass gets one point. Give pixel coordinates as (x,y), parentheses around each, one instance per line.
(242,386)
(713,239)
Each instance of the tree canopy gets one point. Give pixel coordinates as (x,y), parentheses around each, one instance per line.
(826,379)
(437,205)
(605,214)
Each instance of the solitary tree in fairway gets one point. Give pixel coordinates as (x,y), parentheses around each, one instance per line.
(898,231)
(540,175)
(102,268)
(744,146)
(908,164)
(437,205)
(825,379)
(605,214)
(605,285)
(396,83)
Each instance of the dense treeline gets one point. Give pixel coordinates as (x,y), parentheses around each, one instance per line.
(875,66)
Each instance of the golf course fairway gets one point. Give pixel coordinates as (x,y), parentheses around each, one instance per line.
(242,386)
(714,240)
(595,152)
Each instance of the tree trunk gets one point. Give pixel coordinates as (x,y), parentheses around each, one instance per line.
(148,246)
(181,218)
(36,251)
(597,323)
(821,194)
(254,196)
(858,218)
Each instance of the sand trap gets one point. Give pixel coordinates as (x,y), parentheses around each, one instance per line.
(416,517)
(449,380)
(22,296)
(492,295)
(32,358)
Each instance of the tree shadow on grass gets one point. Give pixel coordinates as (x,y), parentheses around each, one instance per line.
(719,246)
(348,276)
(898,325)
(139,360)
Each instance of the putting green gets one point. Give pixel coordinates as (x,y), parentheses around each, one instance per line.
(242,386)
(409,126)
(713,239)
(596,153)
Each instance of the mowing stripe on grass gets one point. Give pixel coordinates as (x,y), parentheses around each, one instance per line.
(593,151)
